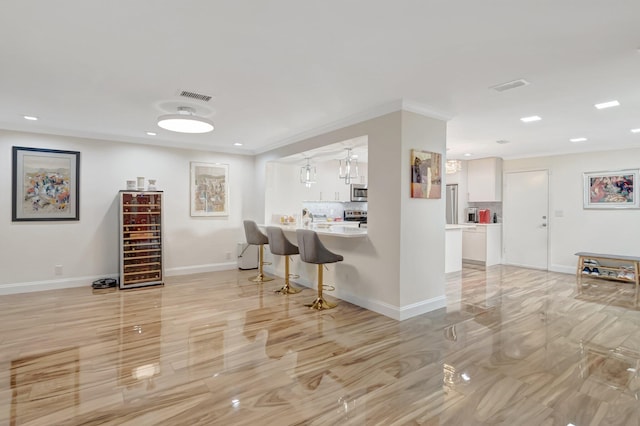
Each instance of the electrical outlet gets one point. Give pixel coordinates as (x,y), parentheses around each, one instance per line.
(228,254)
(58,269)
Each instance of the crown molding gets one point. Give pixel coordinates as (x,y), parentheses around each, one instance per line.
(378,111)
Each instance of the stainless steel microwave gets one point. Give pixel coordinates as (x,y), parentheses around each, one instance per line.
(358,192)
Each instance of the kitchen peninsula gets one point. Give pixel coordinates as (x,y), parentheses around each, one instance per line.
(453,247)
(336,229)
(349,241)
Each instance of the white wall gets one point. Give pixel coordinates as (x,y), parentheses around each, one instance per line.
(371,273)
(377,277)
(88,248)
(572,228)
(422,220)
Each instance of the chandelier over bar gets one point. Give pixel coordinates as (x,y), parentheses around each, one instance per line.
(348,167)
(453,166)
(307,174)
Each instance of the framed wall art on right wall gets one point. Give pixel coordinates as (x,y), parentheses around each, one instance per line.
(611,190)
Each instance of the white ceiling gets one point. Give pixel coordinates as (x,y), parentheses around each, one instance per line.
(277,69)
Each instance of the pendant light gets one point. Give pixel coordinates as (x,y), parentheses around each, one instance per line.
(348,167)
(453,166)
(185,121)
(307,174)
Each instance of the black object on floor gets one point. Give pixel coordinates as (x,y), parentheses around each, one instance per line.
(105,283)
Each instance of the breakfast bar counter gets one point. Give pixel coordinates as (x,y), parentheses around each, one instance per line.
(335,229)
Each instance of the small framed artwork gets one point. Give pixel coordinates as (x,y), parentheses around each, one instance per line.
(611,190)
(209,189)
(426,174)
(45,185)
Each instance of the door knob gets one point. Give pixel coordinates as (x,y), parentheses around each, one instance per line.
(544,217)
(544,224)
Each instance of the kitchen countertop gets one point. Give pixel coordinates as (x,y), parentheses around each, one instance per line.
(459,226)
(334,230)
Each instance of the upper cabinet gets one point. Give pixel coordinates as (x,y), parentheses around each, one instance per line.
(484,179)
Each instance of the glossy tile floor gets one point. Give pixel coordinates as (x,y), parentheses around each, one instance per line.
(513,346)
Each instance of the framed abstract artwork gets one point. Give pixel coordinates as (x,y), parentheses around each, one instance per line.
(426,174)
(209,189)
(611,190)
(45,185)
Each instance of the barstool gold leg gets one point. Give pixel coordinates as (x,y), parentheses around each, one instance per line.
(320,303)
(260,278)
(287,289)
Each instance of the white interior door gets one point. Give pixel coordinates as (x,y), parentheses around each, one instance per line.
(525,217)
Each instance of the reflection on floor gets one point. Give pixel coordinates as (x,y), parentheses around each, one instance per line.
(513,346)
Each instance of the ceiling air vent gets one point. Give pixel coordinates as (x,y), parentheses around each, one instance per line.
(194,95)
(510,85)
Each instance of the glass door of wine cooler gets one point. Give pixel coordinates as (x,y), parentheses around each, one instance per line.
(141,251)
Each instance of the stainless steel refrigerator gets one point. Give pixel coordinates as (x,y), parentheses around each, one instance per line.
(452,204)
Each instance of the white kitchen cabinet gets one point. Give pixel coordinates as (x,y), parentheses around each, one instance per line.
(484,180)
(453,249)
(334,190)
(483,244)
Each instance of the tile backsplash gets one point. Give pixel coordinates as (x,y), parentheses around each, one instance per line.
(494,207)
(333,209)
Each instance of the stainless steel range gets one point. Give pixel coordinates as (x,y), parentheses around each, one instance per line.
(355,216)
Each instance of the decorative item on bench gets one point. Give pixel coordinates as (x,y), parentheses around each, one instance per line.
(104,283)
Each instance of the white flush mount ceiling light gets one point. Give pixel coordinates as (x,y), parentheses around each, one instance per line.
(307,174)
(30,117)
(185,121)
(348,167)
(609,104)
(578,140)
(530,119)
(237,144)
(635,130)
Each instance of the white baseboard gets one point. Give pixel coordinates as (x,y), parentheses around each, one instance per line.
(28,287)
(198,269)
(422,307)
(563,269)
(382,308)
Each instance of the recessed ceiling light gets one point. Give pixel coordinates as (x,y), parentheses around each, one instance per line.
(30,117)
(609,104)
(468,154)
(530,119)
(635,130)
(151,133)
(502,141)
(577,139)
(237,144)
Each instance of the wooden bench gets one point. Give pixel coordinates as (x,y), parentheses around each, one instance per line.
(611,266)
